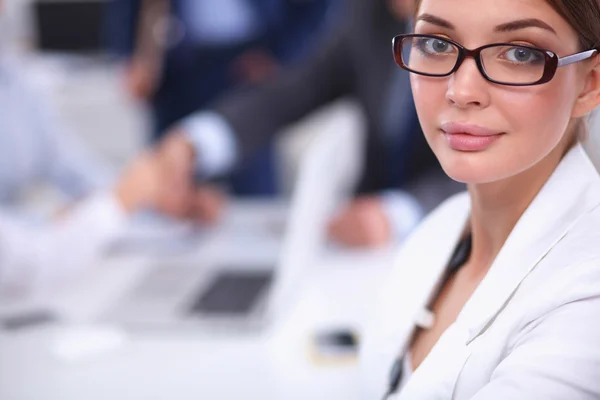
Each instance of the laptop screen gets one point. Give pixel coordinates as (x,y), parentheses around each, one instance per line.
(232,293)
(69,26)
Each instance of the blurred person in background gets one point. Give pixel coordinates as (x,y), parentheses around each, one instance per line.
(402,179)
(35,149)
(181,55)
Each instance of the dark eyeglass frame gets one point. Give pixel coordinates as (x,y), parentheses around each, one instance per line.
(552,62)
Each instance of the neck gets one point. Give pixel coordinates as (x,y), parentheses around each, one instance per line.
(497,207)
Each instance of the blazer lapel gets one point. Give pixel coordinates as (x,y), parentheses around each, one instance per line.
(571,192)
(575,186)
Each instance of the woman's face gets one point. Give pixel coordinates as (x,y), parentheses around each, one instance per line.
(483,132)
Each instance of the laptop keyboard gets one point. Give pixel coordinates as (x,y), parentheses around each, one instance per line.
(232,292)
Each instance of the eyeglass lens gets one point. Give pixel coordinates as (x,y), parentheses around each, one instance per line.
(511,64)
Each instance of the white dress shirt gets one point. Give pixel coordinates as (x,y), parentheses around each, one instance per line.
(35,256)
(34,148)
(530,330)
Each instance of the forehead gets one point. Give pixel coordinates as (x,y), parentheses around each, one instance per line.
(477,18)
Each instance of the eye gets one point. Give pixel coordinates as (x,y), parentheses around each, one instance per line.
(523,55)
(434,46)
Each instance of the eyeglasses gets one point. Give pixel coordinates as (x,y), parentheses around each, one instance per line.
(502,63)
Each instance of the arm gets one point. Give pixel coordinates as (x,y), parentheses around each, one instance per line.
(558,358)
(255,114)
(65,160)
(72,166)
(376,220)
(35,256)
(41,255)
(131,34)
(402,211)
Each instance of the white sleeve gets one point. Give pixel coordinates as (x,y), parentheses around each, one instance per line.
(403,212)
(214,141)
(68,162)
(559,358)
(76,169)
(38,256)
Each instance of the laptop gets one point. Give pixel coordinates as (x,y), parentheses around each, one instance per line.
(69,26)
(256,272)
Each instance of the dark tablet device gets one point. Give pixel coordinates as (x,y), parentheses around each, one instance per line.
(69,26)
(337,342)
(232,293)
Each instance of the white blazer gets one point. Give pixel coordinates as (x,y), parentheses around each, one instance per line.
(531,330)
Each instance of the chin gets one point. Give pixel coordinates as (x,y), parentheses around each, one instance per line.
(470,168)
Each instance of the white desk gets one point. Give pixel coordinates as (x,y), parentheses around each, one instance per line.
(275,364)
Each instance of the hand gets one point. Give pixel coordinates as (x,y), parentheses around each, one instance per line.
(254,66)
(363,223)
(160,179)
(203,204)
(140,79)
(177,159)
(177,154)
(142,183)
(207,204)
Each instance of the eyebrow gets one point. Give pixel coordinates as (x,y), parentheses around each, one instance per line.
(507,27)
(524,23)
(432,19)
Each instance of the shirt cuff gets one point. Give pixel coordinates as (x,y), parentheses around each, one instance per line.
(214,142)
(104,212)
(62,249)
(92,226)
(403,211)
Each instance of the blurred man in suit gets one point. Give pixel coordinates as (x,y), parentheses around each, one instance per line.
(182,54)
(355,61)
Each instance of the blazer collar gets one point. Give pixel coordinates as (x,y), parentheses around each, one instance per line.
(572,191)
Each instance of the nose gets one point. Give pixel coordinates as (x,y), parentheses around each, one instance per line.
(467,88)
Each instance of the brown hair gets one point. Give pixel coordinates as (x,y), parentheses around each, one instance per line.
(582,15)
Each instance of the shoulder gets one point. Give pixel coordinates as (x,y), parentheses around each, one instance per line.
(576,256)
(568,274)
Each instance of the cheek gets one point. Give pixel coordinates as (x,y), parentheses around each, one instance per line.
(535,119)
(536,111)
(430,99)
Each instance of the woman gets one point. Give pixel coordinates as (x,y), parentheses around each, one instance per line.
(497,294)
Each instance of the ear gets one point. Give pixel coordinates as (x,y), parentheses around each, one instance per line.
(589,98)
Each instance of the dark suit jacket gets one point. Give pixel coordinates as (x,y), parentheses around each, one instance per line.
(356,61)
(193,75)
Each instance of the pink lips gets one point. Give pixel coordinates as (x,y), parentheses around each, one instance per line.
(465,137)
